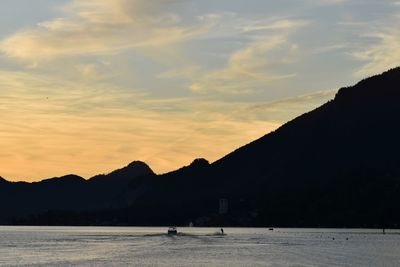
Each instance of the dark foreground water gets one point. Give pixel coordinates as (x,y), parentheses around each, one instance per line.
(141,246)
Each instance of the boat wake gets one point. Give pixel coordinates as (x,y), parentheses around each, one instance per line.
(182,234)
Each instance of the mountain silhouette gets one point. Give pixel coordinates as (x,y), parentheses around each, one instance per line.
(2,180)
(336,166)
(68,193)
(124,175)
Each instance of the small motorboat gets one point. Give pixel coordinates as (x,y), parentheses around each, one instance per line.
(172,231)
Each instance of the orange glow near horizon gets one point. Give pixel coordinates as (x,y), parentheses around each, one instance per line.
(88,86)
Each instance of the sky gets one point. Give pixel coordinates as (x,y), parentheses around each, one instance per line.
(87,86)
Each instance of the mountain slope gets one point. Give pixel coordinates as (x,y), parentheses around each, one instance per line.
(359,128)
(346,149)
(337,165)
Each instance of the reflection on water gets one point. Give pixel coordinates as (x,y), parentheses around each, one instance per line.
(151,246)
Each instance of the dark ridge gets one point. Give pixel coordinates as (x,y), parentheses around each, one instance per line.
(133,169)
(372,92)
(3,181)
(376,94)
(199,163)
(195,165)
(138,164)
(70,178)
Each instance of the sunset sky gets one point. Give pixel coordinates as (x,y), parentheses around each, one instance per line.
(87,86)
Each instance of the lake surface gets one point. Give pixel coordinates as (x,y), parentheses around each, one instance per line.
(151,246)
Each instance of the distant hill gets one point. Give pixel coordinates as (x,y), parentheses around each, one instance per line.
(336,166)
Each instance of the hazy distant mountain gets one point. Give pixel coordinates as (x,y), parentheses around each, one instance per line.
(338,165)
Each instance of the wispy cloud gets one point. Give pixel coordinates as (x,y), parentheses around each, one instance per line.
(379,48)
(383,55)
(285,109)
(265,50)
(99,27)
(250,66)
(326,2)
(277,24)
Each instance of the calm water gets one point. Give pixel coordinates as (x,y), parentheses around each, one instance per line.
(140,246)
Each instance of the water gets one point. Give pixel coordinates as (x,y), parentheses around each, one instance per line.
(141,246)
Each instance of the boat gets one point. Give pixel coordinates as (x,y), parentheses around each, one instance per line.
(172,231)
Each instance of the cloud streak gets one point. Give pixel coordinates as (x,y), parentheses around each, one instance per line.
(250,67)
(99,27)
(383,55)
